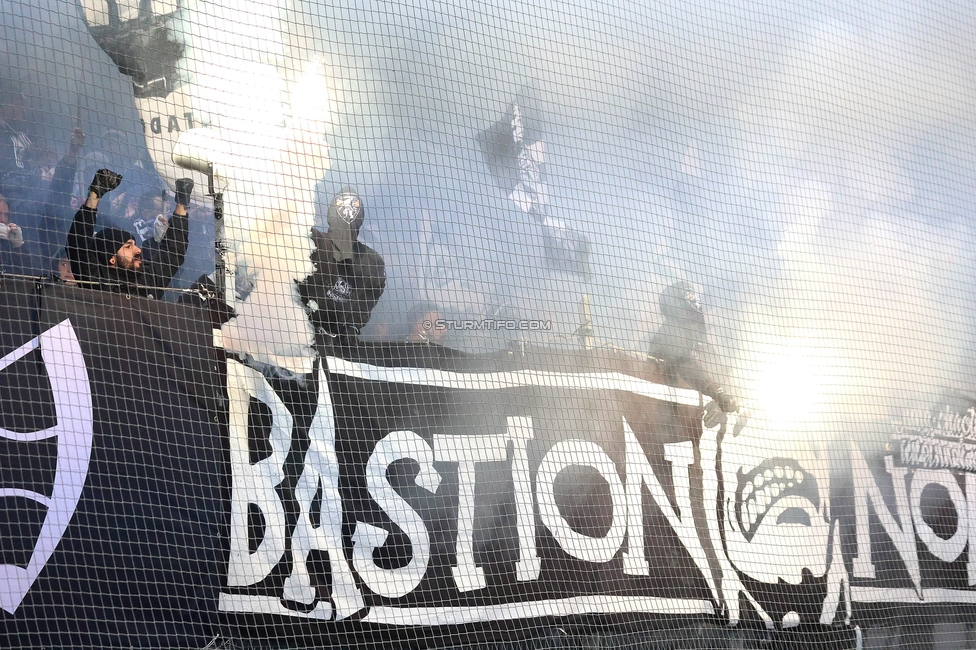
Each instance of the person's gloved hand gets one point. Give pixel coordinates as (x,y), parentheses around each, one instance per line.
(726,402)
(105,181)
(15,235)
(184,188)
(160,226)
(4,231)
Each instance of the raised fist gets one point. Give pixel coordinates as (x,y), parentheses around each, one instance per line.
(726,402)
(105,181)
(184,188)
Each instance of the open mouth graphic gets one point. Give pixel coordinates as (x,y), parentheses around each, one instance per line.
(767,484)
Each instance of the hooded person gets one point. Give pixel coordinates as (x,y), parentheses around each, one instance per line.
(349,276)
(111,257)
(679,345)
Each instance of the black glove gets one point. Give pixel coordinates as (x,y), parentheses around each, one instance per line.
(726,402)
(105,181)
(184,188)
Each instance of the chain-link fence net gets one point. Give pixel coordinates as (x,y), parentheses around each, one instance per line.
(571,324)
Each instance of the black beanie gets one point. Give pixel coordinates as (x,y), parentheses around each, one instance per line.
(108,241)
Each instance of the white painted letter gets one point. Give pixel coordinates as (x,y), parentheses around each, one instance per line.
(971,505)
(639,472)
(395,583)
(529,564)
(321,472)
(467,452)
(255,484)
(583,453)
(902,535)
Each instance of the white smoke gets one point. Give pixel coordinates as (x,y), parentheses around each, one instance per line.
(272,121)
(830,150)
(865,311)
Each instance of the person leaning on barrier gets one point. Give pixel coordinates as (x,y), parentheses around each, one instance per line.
(422,322)
(111,257)
(349,276)
(679,346)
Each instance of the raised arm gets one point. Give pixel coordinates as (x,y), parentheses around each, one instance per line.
(64,173)
(164,258)
(80,247)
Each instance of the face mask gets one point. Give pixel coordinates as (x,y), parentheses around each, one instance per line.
(345,217)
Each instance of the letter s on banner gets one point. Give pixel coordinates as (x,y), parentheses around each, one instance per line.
(395,583)
(254,484)
(583,453)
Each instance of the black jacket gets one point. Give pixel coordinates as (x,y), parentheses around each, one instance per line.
(56,211)
(23,260)
(340,296)
(160,261)
(679,347)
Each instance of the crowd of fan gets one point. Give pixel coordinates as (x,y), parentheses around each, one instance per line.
(46,228)
(48,222)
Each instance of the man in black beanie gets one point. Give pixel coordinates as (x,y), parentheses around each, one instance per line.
(349,277)
(111,256)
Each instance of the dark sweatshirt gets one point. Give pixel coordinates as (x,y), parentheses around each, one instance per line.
(340,296)
(160,261)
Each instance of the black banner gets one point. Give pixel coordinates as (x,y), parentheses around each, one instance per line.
(402,488)
(110,471)
(428,488)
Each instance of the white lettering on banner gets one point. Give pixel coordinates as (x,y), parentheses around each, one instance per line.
(866,491)
(971,511)
(902,523)
(468,452)
(945,439)
(947,550)
(641,474)
(838,584)
(529,564)
(581,453)
(255,489)
(395,583)
(899,514)
(254,484)
(320,475)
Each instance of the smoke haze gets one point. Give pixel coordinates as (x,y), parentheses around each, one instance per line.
(812,167)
